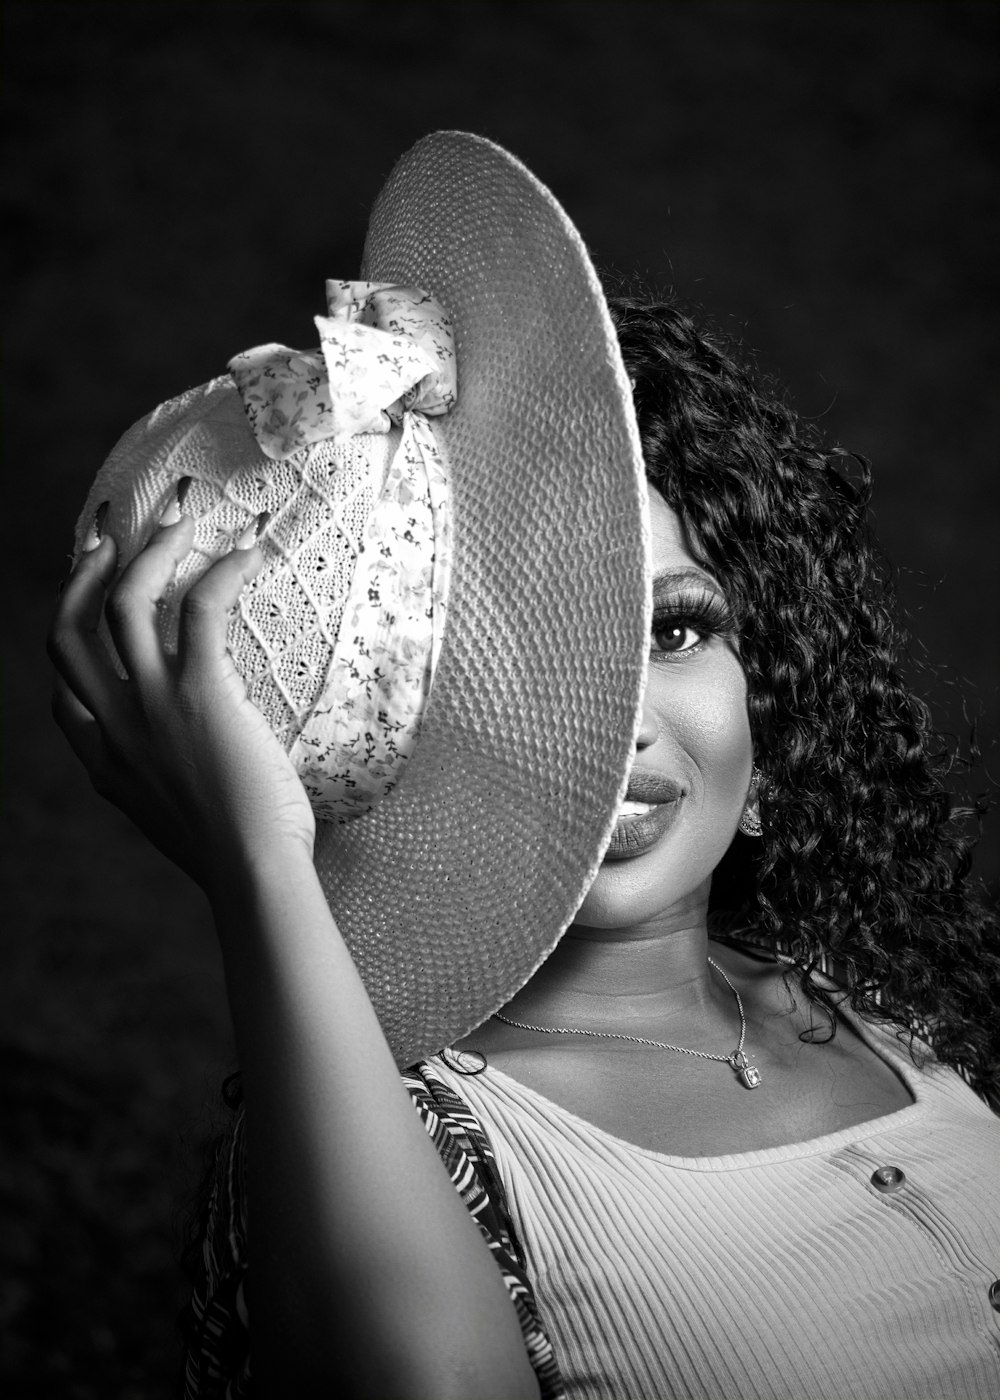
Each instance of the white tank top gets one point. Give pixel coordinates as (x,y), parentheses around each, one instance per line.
(780,1274)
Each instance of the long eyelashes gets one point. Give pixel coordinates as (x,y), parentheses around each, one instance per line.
(683,622)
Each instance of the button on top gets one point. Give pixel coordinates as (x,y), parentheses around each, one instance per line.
(995,1293)
(889,1179)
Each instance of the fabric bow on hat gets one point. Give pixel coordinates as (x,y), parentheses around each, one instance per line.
(357,547)
(383,350)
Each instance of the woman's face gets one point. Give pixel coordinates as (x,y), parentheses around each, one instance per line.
(691,771)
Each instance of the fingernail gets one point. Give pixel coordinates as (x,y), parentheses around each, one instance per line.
(175,506)
(183,487)
(97,528)
(252,533)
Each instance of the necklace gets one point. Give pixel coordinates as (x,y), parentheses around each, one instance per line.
(746,1073)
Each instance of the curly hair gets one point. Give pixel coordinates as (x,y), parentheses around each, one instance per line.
(864,864)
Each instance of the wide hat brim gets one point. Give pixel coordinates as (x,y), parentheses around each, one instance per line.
(455,888)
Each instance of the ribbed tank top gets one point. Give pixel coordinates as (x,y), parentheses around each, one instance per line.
(780,1274)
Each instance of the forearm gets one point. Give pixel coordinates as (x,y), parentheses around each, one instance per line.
(365,1265)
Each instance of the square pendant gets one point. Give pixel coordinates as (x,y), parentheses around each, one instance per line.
(750,1075)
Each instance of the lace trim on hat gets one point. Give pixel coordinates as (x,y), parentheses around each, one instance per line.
(366,719)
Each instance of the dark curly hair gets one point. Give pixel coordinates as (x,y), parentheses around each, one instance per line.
(864,863)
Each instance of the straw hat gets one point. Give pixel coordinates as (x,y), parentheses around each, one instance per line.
(457,884)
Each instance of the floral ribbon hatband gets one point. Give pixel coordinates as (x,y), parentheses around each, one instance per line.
(386,360)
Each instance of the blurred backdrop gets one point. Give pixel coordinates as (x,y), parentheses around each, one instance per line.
(179,180)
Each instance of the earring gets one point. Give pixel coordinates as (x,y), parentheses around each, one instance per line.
(750,823)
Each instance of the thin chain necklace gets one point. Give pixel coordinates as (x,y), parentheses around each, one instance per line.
(745,1072)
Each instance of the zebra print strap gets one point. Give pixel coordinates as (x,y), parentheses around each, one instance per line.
(464,1149)
(217,1365)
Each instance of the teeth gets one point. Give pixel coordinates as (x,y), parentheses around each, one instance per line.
(635,809)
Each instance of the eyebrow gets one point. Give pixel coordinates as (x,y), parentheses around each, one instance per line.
(670,578)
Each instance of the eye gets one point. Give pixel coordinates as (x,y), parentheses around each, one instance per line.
(675,635)
(685,623)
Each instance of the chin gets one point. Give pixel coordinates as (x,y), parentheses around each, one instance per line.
(629,893)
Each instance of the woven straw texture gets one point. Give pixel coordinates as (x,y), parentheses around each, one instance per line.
(454,889)
(457,885)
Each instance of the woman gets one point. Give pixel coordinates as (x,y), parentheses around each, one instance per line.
(701,1172)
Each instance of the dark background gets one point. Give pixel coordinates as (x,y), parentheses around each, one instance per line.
(179,181)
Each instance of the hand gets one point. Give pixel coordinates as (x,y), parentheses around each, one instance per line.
(177,746)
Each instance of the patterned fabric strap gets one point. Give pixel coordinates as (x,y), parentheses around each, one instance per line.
(464,1148)
(217,1323)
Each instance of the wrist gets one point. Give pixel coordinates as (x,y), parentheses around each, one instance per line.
(241,875)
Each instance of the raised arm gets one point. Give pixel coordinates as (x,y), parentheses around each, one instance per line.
(368,1276)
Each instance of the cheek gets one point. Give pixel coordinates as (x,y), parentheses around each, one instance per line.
(703,739)
(715,730)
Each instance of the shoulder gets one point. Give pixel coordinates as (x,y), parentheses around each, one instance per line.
(461,1141)
(464,1148)
(445,1114)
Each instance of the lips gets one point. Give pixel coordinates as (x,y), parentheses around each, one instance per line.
(652,788)
(651,807)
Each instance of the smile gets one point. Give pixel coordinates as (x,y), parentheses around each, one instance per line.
(650,809)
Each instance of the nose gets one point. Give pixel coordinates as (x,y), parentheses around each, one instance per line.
(649,730)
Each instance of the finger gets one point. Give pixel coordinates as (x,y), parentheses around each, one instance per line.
(131,606)
(205,610)
(75,649)
(79,726)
